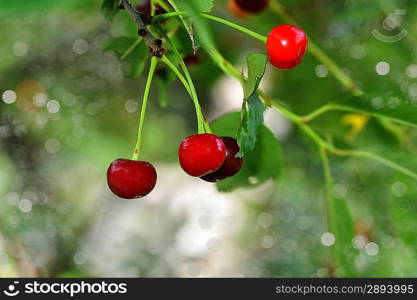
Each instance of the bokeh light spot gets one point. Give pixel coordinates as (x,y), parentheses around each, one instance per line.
(372,249)
(131,106)
(20,48)
(328,239)
(53,106)
(322,71)
(382,68)
(9,96)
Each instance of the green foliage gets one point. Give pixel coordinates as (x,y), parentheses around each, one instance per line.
(110,8)
(341,225)
(386,106)
(260,147)
(133,63)
(252,108)
(8,6)
(260,164)
(373,182)
(256,70)
(403,212)
(193,7)
(252,119)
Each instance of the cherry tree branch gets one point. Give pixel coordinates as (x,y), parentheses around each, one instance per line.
(142,20)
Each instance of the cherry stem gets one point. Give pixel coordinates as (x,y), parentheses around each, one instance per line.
(154,62)
(170,65)
(163,5)
(152,7)
(203,126)
(330,203)
(315,50)
(300,122)
(245,30)
(177,72)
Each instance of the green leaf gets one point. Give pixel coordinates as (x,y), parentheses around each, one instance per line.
(403,212)
(260,164)
(110,8)
(252,119)
(400,161)
(134,63)
(193,8)
(341,225)
(256,70)
(253,109)
(391,107)
(197,5)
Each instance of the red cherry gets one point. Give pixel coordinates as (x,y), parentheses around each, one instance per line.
(231,165)
(252,6)
(201,154)
(145,7)
(286,46)
(131,178)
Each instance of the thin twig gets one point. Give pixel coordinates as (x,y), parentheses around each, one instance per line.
(142,20)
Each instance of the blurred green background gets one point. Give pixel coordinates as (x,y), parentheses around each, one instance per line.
(67,111)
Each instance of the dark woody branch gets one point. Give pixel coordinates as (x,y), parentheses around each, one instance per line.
(142,20)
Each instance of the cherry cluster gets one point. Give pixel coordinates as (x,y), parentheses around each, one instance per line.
(206,155)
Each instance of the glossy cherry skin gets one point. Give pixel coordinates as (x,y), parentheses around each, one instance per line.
(252,6)
(231,165)
(201,154)
(131,179)
(286,46)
